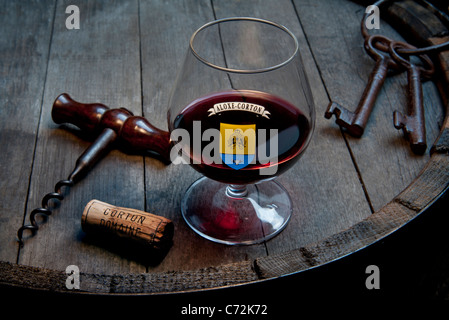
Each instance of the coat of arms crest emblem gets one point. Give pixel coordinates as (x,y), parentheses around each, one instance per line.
(238,144)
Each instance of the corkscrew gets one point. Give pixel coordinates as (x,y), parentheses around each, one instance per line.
(114,127)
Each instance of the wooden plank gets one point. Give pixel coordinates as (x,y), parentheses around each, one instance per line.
(24,48)
(166,282)
(383,156)
(166,29)
(325,189)
(97,63)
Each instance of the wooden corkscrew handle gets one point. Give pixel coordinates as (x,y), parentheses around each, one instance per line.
(134,133)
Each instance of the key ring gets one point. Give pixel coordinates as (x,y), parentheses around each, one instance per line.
(426,71)
(373,52)
(404,51)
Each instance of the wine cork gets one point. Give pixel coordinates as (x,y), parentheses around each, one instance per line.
(146,228)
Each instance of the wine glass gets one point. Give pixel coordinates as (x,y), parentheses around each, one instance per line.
(241,113)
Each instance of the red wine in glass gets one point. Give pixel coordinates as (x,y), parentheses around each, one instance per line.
(281,133)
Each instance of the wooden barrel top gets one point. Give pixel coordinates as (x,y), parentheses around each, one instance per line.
(348,192)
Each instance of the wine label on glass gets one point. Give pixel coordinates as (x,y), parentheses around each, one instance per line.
(239,106)
(238,144)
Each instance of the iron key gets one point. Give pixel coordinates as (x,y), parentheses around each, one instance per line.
(355,122)
(413,124)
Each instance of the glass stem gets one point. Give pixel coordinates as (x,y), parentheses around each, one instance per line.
(236,191)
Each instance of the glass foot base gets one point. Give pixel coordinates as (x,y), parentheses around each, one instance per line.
(236,215)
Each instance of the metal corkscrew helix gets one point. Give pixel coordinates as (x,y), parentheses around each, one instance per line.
(44,210)
(119,126)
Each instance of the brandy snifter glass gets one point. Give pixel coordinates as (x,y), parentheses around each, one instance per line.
(241,113)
